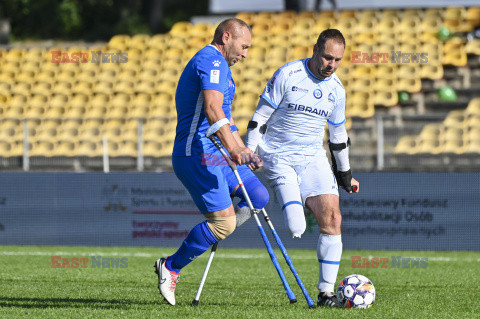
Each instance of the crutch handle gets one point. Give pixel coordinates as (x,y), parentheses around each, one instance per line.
(230,163)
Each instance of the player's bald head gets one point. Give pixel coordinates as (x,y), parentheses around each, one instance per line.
(234,26)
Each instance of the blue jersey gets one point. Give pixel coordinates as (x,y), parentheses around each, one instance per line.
(209,70)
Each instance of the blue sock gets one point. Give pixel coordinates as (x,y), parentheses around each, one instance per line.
(256,191)
(197,242)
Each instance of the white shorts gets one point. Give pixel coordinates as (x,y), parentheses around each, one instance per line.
(307,175)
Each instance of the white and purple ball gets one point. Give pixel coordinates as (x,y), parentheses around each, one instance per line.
(356,291)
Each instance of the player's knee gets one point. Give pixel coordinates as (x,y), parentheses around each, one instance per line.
(256,191)
(221,227)
(260,196)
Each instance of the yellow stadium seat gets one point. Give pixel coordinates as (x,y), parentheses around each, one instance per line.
(20,88)
(123,149)
(202,30)
(124,87)
(169,74)
(64,147)
(473,107)
(155,65)
(473,15)
(409,24)
(431,24)
(25,76)
(408,71)
(152,148)
(434,12)
(411,85)
(181,29)
(35,54)
(41,88)
(139,41)
(248,17)
(454,119)
(472,146)
(416,13)
(471,136)
(429,146)
(15,55)
(265,16)
(158,41)
(473,47)
(455,13)
(95,111)
(79,100)
(385,98)
(148,75)
(61,88)
(103,87)
(431,71)
(88,148)
(362,84)
(18,100)
(261,27)
(34,112)
(348,14)
(119,42)
(120,100)
(46,76)
(145,86)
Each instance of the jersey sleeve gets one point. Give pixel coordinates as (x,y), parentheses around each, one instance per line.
(213,73)
(275,89)
(338,114)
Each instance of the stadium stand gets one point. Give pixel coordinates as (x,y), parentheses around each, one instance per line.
(71,107)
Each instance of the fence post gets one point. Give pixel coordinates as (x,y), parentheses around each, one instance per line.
(26,159)
(380,141)
(106,163)
(140,159)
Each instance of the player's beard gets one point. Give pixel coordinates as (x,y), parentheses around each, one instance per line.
(326,72)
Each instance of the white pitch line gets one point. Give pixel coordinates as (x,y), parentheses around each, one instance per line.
(219,255)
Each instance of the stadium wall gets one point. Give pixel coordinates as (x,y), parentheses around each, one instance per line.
(414,211)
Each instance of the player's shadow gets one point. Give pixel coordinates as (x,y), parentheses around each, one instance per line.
(9,302)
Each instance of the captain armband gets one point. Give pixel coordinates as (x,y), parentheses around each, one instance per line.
(216,126)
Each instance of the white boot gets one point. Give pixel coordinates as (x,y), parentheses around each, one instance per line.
(167,281)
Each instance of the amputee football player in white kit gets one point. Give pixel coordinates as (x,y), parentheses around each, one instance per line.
(288,127)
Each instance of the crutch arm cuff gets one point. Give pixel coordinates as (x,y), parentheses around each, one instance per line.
(216,126)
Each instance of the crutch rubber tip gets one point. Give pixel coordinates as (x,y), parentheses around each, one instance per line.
(195,303)
(293,300)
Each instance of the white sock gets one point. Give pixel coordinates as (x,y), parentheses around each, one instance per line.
(329,253)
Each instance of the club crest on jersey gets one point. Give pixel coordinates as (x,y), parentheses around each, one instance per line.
(331,98)
(317,94)
(216,63)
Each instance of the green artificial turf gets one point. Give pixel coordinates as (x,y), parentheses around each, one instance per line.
(242,283)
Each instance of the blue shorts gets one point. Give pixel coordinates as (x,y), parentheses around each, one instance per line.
(209,181)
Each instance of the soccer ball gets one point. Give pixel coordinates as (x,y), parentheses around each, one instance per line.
(356,291)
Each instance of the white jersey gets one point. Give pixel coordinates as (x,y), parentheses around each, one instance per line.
(303,105)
